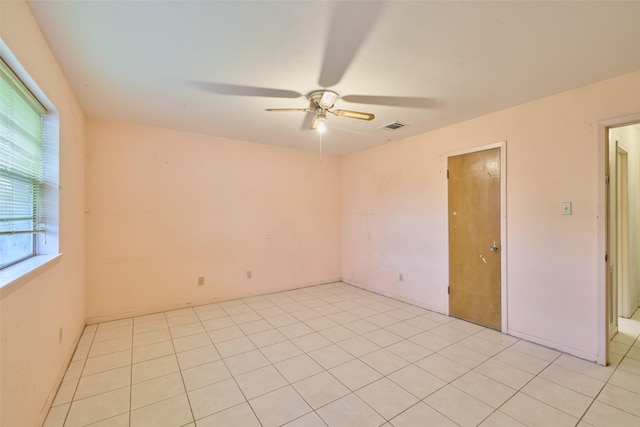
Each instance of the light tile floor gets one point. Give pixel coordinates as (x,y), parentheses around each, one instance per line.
(335,355)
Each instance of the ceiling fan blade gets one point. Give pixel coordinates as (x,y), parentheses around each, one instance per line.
(354,114)
(241,90)
(302,110)
(308,121)
(393,101)
(350,24)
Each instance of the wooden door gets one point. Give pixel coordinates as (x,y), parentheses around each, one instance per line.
(474,238)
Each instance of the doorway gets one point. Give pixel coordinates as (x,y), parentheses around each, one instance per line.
(622,226)
(474,224)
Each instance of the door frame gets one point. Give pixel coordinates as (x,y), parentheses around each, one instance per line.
(622,230)
(503,223)
(602,265)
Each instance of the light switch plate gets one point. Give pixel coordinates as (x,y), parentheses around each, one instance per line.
(566,208)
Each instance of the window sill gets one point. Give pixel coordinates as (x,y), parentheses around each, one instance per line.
(25,269)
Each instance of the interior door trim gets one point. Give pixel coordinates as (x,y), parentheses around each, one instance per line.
(502,145)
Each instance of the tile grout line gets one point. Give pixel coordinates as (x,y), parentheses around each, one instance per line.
(480,373)
(450,383)
(133,326)
(520,390)
(84,363)
(607,383)
(229,370)
(301,300)
(175,353)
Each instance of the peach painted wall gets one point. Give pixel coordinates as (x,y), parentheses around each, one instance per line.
(33,309)
(394,212)
(165,207)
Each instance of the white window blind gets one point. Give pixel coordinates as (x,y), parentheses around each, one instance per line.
(21,169)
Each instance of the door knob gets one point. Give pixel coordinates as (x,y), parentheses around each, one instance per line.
(494,247)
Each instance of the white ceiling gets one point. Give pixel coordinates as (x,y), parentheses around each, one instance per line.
(213,67)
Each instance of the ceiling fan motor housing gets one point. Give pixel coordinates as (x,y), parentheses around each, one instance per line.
(324,99)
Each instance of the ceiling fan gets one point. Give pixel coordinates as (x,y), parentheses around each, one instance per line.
(321,102)
(349,25)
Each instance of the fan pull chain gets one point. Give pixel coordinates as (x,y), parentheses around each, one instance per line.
(320,146)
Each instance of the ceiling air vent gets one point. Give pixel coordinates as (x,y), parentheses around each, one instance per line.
(394,126)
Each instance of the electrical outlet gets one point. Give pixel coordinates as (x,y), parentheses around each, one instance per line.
(565,208)
(249,274)
(200,281)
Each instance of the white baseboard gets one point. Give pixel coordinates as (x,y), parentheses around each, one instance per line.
(564,349)
(221,298)
(555,346)
(417,303)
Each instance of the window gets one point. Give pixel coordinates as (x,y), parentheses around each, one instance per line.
(21,169)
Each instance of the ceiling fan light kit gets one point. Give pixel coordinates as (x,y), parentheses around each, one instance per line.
(320,103)
(319,121)
(322,127)
(326,97)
